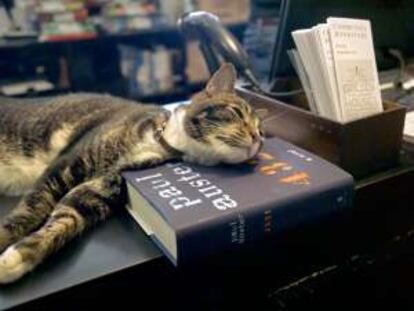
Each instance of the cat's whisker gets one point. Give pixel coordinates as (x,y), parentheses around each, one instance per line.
(274,117)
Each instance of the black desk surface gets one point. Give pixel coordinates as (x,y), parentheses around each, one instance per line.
(115,245)
(119,244)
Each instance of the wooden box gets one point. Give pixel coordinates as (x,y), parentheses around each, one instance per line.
(361,147)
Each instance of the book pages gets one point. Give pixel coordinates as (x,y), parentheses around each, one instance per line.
(327,66)
(301,38)
(355,67)
(337,61)
(323,87)
(308,50)
(408,133)
(304,79)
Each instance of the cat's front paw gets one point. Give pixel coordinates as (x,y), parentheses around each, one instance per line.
(13,266)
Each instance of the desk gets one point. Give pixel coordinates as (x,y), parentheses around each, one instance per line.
(119,254)
(117,257)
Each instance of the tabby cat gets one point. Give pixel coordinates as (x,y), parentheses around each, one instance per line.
(65,156)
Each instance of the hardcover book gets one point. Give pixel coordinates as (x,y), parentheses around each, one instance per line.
(192,211)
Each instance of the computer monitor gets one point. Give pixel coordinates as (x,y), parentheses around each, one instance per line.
(391,21)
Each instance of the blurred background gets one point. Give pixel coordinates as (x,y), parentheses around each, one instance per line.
(129,48)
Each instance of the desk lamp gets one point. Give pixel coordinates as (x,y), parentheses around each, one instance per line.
(217,42)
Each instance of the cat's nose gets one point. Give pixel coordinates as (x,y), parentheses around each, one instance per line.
(255,136)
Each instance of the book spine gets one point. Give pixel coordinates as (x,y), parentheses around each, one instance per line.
(245,226)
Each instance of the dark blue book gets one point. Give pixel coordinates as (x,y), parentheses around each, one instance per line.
(193,211)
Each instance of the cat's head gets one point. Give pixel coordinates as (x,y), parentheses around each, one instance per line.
(218,126)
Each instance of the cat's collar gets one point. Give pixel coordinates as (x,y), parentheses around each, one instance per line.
(158,135)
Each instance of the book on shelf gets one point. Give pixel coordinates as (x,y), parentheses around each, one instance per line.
(196,69)
(70,16)
(192,211)
(6,22)
(130,16)
(229,11)
(339,61)
(148,71)
(67,31)
(17,88)
(54,7)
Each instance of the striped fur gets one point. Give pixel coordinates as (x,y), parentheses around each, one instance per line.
(66,154)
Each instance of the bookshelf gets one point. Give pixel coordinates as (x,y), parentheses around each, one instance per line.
(93,65)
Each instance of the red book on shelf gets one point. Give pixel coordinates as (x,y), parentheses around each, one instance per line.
(67,37)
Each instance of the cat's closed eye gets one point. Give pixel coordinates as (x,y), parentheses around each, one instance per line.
(236,111)
(217,114)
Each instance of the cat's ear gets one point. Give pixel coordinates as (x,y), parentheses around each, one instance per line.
(223,80)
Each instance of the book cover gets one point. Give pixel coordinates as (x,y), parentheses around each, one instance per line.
(193,211)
